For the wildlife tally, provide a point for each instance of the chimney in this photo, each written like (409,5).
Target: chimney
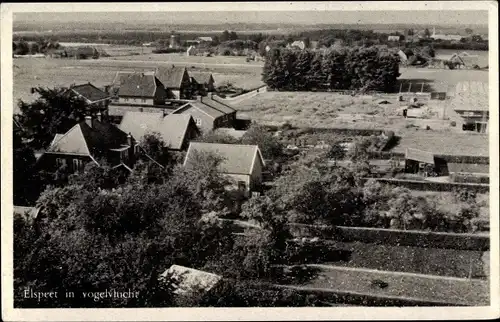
(88,120)
(129,139)
(99,117)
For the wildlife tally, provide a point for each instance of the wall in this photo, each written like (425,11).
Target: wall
(240,177)
(48,161)
(256,177)
(133,100)
(395,237)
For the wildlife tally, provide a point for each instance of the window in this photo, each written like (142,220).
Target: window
(124,155)
(125,99)
(77,165)
(136,148)
(143,100)
(60,162)
(242,186)
(198,121)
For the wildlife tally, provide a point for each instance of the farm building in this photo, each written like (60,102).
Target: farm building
(471,103)
(141,89)
(208,113)
(203,83)
(242,164)
(419,162)
(176,81)
(191,51)
(176,130)
(393,38)
(445,36)
(204,39)
(298,44)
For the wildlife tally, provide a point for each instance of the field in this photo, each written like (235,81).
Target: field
(32,72)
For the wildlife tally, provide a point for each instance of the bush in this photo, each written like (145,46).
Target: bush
(453,124)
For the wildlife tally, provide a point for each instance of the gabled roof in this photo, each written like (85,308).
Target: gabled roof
(89,92)
(237,158)
(171,77)
(172,128)
(214,103)
(186,280)
(208,110)
(201,77)
(419,155)
(92,141)
(138,85)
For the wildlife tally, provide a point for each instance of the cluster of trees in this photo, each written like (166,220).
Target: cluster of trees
(347,68)
(236,47)
(23,47)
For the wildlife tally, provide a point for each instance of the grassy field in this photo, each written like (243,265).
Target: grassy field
(32,72)
(465,292)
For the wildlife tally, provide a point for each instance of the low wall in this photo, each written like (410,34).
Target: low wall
(433,186)
(395,237)
(343,131)
(384,155)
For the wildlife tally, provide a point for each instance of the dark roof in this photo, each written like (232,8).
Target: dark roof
(419,155)
(138,85)
(93,141)
(171,77)
(201,77)
(172,128)
(210,111)
(90,92)
(238,158)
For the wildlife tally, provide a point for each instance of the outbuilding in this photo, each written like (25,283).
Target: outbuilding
(419,162)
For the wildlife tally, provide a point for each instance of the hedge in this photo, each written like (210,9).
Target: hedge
(394,237)
(433,186)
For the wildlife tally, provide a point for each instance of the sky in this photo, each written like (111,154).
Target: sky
(441,17)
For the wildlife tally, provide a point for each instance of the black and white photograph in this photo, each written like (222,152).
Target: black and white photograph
(314,157)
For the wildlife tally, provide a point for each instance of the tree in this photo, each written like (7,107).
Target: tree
(155,147)
(469,31)
(217,137)
(24,178)
(52,113)
(427,33)
(336,152)
(233,35)
(225,36)
(410,32)
(269,145)
(359,150)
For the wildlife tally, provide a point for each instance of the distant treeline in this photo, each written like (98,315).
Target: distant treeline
(346,68)
(323,37)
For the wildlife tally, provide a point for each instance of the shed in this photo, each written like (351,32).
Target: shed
(418,161)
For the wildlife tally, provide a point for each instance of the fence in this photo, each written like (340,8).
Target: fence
(385,155)
(394,237)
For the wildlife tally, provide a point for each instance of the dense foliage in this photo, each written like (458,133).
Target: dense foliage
(344,68)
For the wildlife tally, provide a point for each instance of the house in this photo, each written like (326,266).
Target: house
(176,130)
(393,38)
(298,44)
(242,164)
(141,89)
(418,161)
(191,51)
(203,83)
(90,141)
(28,214)
(93,96)
(176,81)
(444,36)
(208,113)
(471,103)
(187,280)
(204,39)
